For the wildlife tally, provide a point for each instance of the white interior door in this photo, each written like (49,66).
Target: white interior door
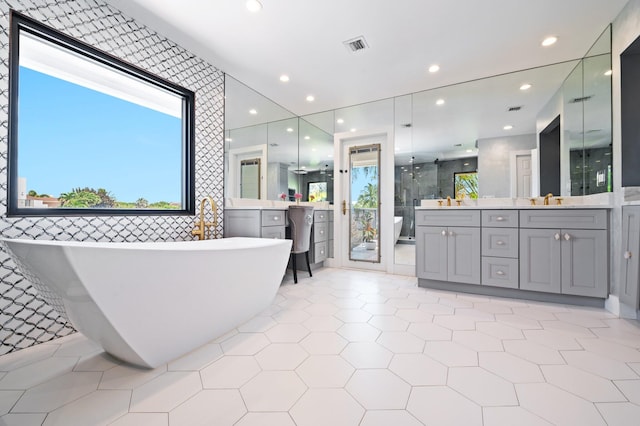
(521,174)
(363,222)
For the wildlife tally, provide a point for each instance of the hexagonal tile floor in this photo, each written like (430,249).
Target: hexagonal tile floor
(352,348)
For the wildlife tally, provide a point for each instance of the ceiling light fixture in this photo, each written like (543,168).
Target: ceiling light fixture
(525,86)
(339,121)
(311,98)
(440,102)
(307,138)
(549,41)
(284,78)
(469,150)
(253,111)
(508,127)
(434,68)
(253,6)
(289,129)
(353,130)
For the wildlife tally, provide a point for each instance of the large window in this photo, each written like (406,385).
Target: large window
(90,134)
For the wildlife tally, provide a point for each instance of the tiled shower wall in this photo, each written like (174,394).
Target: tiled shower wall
(25,319)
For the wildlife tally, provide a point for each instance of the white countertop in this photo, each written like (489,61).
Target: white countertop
(543,207)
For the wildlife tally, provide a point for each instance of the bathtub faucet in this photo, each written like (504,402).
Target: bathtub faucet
(203,228)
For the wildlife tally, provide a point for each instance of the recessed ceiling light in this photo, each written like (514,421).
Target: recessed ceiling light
(608,73)
(253,5)
(307,138)
(289,129)
(339,121)
(549,41)
(284,78)
(353,130)
(434,68)
(525,86)
(311,98)
(508,127)
(469,150)
(253,111)
(440,102)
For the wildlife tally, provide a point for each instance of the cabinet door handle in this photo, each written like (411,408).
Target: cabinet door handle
(444,233)
(499,243)
(567,237)
(500,273)
(499,219)
(557,236)
(627,255)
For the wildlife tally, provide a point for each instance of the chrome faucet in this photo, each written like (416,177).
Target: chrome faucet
(546,198)
(203,228)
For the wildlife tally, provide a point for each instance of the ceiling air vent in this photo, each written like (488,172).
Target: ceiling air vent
(514,108)
(578,100)
(356,44)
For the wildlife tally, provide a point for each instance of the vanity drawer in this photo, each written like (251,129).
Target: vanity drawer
(448,217)
(320,216)
(320,232)
(500,242)
(500,272)
(273,232)
(273,217)
(500,218)
(570,218)
(319,252)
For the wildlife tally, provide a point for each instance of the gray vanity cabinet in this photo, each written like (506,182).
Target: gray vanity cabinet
(540,265)
(448,253)
(257,223)
(319,249)
(564,251)
(500,248)
(630,263)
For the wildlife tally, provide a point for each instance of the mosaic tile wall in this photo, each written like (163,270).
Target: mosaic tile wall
(25,318)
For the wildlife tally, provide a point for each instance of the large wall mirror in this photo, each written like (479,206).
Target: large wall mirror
(293,154)
(478,139)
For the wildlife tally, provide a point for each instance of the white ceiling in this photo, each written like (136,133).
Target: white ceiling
(469,39)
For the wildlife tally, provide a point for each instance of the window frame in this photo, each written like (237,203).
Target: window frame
(20,22)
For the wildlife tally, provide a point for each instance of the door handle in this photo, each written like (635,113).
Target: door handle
(344,207)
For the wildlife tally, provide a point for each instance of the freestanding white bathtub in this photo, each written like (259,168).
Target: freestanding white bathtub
(148,303)
(397,227)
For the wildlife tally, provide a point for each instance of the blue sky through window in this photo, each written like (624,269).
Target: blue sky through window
(72,136)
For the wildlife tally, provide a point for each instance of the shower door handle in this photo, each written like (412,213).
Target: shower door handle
(344,207)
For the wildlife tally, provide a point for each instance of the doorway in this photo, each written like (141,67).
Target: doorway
(363,222)
(550,157)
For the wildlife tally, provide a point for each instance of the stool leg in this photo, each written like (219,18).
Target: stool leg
(295,272)
(306,255)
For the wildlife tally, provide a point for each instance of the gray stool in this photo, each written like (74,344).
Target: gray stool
(300,221)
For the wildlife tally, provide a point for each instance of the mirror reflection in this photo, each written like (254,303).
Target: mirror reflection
(494,137)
